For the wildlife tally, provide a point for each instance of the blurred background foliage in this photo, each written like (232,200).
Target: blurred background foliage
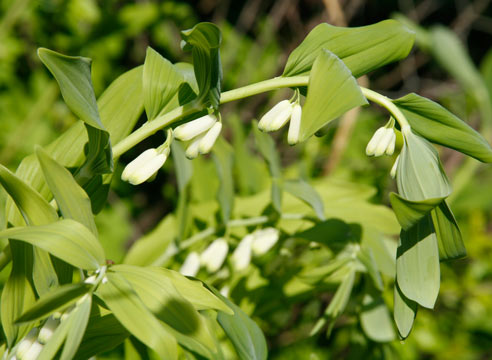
(451,63)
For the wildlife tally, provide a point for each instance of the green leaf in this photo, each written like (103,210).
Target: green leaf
(366,257)
(302,190)
(328,99)
(375,319)
(362,49)
(268,150)
(448,233)
(223,157)
(435,123)
(420,175)
(103,333)
(66,239)
(161,297)
(410,212)
(73,74)
(333,233)
(417,263)
(183,165)
(56,300)
(204,41)
(243,332)
(161,82)
(129,309)
(17,293)
(405,311)
(70,197)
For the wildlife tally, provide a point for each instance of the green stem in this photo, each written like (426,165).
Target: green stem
(249,90)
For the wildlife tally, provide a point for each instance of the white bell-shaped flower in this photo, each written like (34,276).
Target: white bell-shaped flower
(383,141)
(33,352)
(264,240)
(214,255)
(209,139)
(26,343)
(394,167)
(295,125)
(271,115)
(144,166)
(193,149)
(241,257)
(191,264)
(47,330)
(194,128)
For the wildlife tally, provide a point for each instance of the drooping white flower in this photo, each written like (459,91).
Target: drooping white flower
(33,352)
(192,150)
(26,343)
(391,147)
(209,139)
(264,240)
(194,128)
(144,166)
(214,255)
(394,167)
(373,143)
(47,330)
(295,125)
(191,264)
(271,115)
(384,142)
(241,257)
(280,119)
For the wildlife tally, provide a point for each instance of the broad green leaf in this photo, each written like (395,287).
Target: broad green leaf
(195,292)
(161,82)
(333,233)
(70,331)
(410,212)
(366,257)
(73,74)
(204,41)
(56,300)
(66,239)
(448,233)
(103,333)
(70,197)
(152,249)
(223,157)
(375,319)
(417,263)
(131,312)
(268,150)
(161,297)
(435,123)
(420,175)
(305,192)
(17,293)
(362,49)
(332,91)
(405,311)
(243,332)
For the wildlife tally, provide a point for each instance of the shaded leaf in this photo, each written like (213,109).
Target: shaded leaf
(327,100)
(448,233)
(410,212)
(333,233)
(302,190)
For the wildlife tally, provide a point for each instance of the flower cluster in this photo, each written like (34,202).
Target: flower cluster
(383,141)
(279,115)
(213,257)
(203,132)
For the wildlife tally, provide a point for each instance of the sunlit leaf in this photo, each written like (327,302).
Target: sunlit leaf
(375,318)
(405,311)
(223,157)
(332,91)
(306,193)
(362,49)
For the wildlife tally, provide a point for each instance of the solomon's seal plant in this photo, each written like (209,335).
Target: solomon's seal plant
(63,299)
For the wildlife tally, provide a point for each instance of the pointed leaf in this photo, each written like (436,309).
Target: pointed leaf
(66,239)
(448,233)
(79,317)
(328,99)
(362,49)
(161,81)
(410,212)
(302,190)
(131,312)
(417,263)
(375,319)
(70,197)
(440,126)
(405,311)
(223,157)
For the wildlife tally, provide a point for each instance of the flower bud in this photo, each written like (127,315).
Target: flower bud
(266,120)
(241,257)
(214,255)
(33,352)
(194,128)
(384,142)
(373,143)
(192,150)
(295,125)
(280,119)
(391,147)
(144,166)
(209,139)
(47,330)
(395,166)
(264,240)
(191,264)
(26,343)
